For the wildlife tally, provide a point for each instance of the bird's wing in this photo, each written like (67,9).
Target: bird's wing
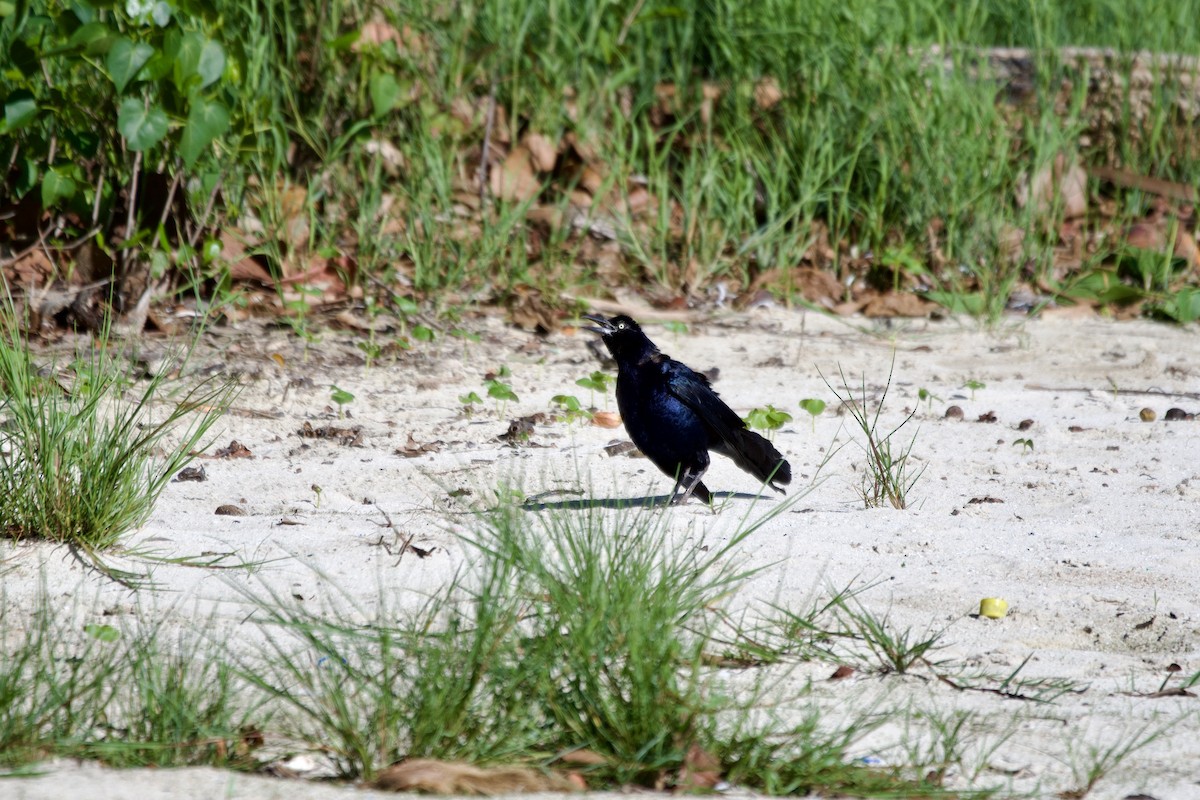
(748,450)
(694,390)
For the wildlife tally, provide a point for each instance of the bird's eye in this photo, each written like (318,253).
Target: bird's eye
(620,326)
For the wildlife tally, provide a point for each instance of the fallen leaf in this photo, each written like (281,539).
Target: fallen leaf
(530,311)
(346,437)
(1185,248)
(606,419)
(1060,181)
(898,304)
(583,758)
(452,777)
(542,152)
(514,178)
(413,449)
(701,770)
(622,448)
(767,93)
(235,450)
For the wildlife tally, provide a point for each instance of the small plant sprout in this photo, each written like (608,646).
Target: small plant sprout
(676,327)
(768,420)
(371,350)
(469,401)
(498,389)
(1026,445)
(814,407)
(972,385)
(927,397)
(342,398)
(596,382)
(316,490)
(570,407)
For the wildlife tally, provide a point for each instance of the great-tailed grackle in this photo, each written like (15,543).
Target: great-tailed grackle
(675,418)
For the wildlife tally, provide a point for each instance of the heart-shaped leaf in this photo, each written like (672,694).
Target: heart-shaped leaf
(211,63)
(19,110)
(142,127)
(206,121)
(124,60)
(199,57)
(385,92)
(56,185)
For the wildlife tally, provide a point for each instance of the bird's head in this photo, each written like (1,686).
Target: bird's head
(622,336)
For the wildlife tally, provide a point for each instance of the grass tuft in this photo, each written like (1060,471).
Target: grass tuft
(84,454)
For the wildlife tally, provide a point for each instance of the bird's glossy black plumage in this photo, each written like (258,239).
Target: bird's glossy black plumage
(672,414)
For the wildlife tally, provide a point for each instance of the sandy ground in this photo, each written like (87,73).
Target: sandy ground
(1091,534)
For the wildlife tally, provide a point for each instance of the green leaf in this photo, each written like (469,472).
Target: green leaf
(206,121)
(56,185)
(105,633)
(1183,306)
(211,64)
(200,57)
(385,92)
(813,406)
(568,401)
(19,110)
(500,390)
(340,396)
(124,60)
(95,38)
(970,303)
(142,127)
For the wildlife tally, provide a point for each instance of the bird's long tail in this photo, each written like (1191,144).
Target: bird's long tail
(756,455)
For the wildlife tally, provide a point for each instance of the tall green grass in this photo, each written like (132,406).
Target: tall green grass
(84,452)
(900,159)
(870,140)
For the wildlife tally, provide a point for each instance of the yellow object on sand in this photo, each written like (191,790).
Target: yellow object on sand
(992,607)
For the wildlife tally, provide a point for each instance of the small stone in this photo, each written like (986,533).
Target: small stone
(230,510)
(1147,415)
(1177,414)
(954,412)
(1025,425)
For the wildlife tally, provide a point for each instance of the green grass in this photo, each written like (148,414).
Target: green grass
(571,631)
(566,631)
(888,475)
(84,463)
(122,695)
(356,134)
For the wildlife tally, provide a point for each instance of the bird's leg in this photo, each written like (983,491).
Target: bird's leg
(689,479)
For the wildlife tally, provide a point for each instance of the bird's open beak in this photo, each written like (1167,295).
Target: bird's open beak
(605,327)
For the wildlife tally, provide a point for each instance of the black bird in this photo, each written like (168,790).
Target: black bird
(672,414)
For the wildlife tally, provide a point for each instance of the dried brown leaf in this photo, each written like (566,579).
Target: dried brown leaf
(701,770)
(514,178)
(898,304)
(413,448)
(606,419)
(767,93)
(542,151)
(452,777)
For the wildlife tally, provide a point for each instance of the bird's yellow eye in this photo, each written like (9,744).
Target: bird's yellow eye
(620,326)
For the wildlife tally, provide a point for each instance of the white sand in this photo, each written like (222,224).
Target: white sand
(1092,536)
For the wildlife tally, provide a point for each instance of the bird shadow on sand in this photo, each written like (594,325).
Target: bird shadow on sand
(582,504)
